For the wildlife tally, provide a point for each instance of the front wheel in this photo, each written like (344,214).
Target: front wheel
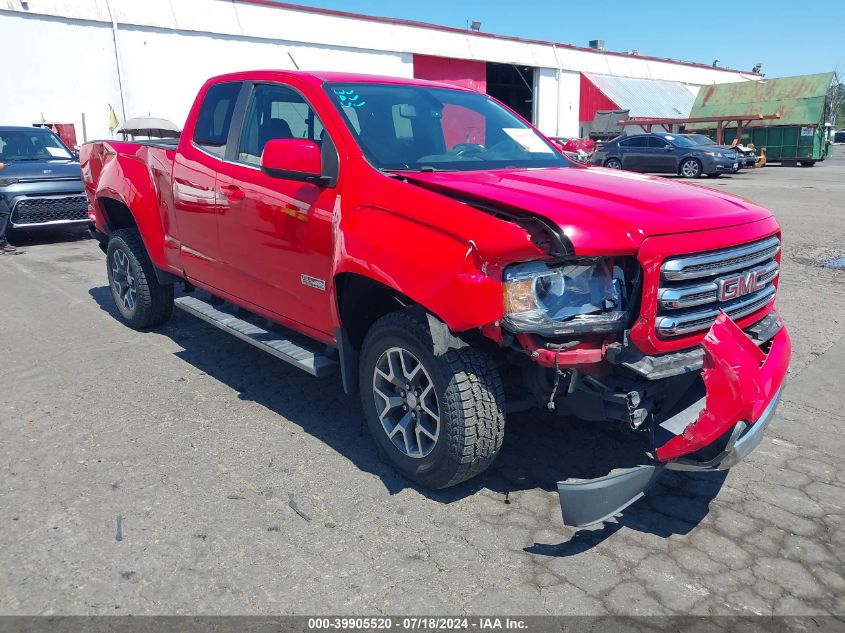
(691,168)
(141,300)
(438,419)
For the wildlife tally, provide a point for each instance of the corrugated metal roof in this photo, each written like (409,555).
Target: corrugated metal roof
(799,100)
(647,97)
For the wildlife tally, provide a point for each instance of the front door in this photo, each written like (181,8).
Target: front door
(276,234)
(663,157)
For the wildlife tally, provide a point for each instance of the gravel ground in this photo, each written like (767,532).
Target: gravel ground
(181,471)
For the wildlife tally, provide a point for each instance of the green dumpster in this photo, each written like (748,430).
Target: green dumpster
(798,136)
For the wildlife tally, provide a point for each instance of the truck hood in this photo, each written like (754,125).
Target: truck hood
(601,211)
(41,170)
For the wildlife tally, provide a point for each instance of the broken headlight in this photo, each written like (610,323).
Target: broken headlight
(575,296)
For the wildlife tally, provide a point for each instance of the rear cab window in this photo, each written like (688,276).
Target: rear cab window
(214,120)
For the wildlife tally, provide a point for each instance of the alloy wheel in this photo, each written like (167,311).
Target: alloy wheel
(690,168)
(123,282)
(406,402)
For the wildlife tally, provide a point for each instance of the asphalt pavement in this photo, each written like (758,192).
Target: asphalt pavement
(181,471)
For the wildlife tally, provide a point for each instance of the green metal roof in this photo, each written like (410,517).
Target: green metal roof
(799,100)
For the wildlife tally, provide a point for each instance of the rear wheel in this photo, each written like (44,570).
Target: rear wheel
(690,168)
(141,300)
(613,163)
(439,420)
(807,163)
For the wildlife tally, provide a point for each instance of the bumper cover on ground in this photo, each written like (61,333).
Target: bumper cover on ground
(743,385)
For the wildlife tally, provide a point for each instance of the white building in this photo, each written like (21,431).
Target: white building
(69,61)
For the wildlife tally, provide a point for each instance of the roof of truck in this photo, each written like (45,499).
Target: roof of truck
(324,76)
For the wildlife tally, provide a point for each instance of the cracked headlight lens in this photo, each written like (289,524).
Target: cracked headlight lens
(577,296)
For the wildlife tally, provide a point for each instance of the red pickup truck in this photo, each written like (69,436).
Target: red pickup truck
(452,266)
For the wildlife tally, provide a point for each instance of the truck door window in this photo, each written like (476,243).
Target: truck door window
(276,112)
(215,117)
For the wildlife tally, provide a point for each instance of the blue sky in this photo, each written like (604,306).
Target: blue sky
(788,37)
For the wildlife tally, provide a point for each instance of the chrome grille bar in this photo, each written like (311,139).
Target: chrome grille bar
(688,322)
(678,298)
(719,262)
(693,289)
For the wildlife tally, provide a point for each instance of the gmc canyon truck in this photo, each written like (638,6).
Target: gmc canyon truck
(452,266)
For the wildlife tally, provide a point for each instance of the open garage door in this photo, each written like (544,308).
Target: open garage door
(512,85)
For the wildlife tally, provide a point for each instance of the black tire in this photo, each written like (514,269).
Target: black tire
(613,163)
(691,168)
(153,302)
(470,402)
(807,163)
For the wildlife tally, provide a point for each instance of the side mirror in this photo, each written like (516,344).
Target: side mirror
(668,147)
(293,159)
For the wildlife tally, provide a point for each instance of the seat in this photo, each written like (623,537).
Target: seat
(270,130)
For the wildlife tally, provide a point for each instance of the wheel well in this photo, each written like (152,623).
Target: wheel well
(362,301)
(118,215)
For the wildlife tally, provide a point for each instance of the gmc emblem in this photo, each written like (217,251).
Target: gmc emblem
(739,285)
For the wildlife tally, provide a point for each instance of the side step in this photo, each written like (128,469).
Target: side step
(290,348)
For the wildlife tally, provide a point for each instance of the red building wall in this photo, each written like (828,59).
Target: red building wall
(592,100)
(459,124)
(458,72)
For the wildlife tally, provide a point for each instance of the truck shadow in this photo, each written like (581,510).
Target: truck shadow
(47,235)
(538,451)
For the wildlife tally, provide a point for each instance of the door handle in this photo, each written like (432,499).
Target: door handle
(233,193)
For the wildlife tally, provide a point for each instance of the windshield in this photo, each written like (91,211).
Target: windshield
(700,139)
(34,144)
(417,128)
(679,141)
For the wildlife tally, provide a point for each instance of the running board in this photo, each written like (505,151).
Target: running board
(296,352)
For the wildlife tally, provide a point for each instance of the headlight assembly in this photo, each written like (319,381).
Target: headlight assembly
(576,296)
(5,182)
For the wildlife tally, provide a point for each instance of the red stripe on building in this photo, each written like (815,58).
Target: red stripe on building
(593,100)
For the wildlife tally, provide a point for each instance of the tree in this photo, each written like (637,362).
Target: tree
(836,100)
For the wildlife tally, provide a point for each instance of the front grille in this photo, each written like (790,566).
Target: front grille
(694,288)
(50,209)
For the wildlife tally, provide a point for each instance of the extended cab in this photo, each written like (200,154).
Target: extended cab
(453,266)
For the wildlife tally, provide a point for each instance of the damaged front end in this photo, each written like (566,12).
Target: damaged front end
(702,409)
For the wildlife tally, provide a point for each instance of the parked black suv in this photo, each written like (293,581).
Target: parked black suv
(665,153)
(41,182)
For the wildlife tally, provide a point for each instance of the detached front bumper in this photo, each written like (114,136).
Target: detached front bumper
(743,388)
